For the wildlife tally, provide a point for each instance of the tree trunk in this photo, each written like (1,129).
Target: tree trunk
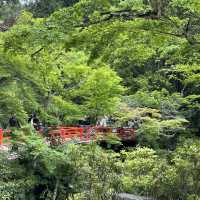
(55,193)
(157,7)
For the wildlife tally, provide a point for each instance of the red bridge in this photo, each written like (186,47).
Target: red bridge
(62,134)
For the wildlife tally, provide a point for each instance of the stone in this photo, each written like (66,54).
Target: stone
(126,196)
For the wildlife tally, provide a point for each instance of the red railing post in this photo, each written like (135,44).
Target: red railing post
(62,133)
(81,133)
(1,136)
(88,134)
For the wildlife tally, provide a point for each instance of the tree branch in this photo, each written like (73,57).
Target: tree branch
(129,15)
(36,52)
(121,14)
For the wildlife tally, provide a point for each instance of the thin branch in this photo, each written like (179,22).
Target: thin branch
(166,33)
(36,52)
(118,11)
(129,15)
(123,14)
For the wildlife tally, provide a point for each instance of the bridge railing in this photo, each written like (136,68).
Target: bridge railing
(80,134)
(87,134)
(67,133)
(4,136)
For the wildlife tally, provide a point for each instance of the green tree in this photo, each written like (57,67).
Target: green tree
(43,8)
(9,9)
(102,92)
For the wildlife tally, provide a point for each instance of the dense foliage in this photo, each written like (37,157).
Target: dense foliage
(9,9)
(134,60)
(88,172)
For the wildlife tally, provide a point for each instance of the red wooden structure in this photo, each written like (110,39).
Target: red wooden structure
(66,134)
(62,134)
(1,136)
(88,134)
(4,136)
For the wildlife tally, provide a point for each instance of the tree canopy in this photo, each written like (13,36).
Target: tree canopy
(135,61)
